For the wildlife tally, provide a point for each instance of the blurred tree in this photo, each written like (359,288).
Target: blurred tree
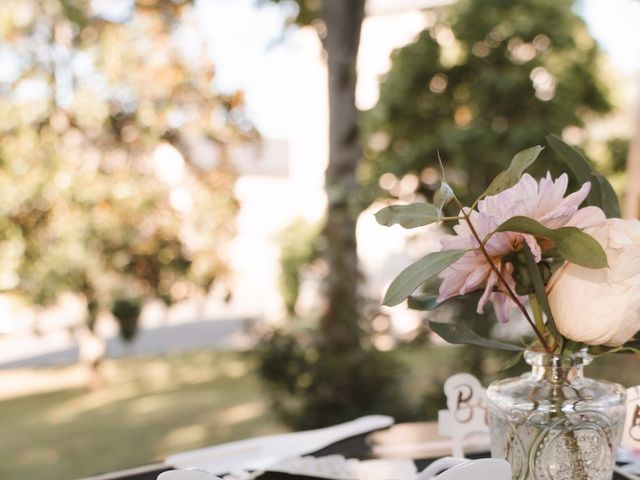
(304,12)
(338,24)
(114,177)
(485,80)
(331,374)
(339,323)
(298,248)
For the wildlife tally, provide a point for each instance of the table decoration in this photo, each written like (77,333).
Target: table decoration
(422,440)
(463,469)
(337,467)
(573,272)
(631,432)
(466,411)
(187,475)
(261,453)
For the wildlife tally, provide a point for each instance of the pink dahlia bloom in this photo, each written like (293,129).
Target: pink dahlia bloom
(543,201)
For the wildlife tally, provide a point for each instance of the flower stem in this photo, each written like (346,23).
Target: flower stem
(577,462)
(537,311)
(506,286)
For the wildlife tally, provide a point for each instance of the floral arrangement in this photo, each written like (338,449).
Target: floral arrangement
(564,261)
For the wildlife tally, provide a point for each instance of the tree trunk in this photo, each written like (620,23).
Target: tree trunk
(632,195)
(343,19)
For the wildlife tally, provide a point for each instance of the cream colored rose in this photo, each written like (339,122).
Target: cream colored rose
(601,307)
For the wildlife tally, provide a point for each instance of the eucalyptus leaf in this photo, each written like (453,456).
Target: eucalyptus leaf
(580,168)
(461,334)
(414,275)
(634,350)
(509,177)
(540,292)
(443,196)
(610,202)
(524,225)
(512,362)
(602,193)
(408,216)
(634,343)
(427,301)
(579,248)
(599,350)
(573,244)
(623,349)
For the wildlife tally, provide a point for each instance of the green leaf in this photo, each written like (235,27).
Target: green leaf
(602,193)
(579,248)
(428,301)
(512,362)
(599,350)
(572,243)
(580,168)
(408,216)
(443,196)
(632,345)
(610,202)
(509,177)
(412,276)
(461,334)
(540,292)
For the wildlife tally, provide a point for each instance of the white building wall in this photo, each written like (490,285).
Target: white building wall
(269,203)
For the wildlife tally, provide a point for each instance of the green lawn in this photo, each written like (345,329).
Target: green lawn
(150,408)
(153,407)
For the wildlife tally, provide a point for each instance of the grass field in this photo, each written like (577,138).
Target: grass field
(153,407)
(150,408)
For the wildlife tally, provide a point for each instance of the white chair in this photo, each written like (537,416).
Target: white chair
(464,469)
(187,475)
(451,468)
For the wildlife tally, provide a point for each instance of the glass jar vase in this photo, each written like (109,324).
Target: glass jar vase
(554,423)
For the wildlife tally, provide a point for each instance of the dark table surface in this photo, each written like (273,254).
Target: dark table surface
(354,447)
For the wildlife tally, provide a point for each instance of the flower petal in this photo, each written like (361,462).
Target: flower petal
(533,246)
(587,217)
(501,306)
(491,282)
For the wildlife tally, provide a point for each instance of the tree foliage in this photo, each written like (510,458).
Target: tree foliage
(302,12)
(486,79)
(310,387)
(298,244)
(114,179)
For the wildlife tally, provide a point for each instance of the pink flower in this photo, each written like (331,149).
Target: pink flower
(543,201)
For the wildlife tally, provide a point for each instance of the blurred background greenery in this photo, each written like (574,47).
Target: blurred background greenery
(123,177)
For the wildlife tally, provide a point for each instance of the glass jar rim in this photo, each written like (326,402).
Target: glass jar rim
(544,359)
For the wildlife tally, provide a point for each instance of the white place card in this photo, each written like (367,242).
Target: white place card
(631,432)
(466,411)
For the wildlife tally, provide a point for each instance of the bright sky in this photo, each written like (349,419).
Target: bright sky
(250,53)
(615,24)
